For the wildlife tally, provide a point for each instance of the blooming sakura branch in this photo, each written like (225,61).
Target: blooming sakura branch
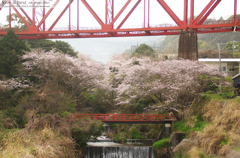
(170,80)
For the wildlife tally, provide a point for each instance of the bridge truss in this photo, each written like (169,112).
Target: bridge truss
(35,21)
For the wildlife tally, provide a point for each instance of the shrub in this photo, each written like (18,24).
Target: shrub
(163,143)
(191,125)
(134,133)
(122,139)
(84,129)
(162,147)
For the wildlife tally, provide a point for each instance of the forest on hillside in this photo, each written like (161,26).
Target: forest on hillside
(205,41)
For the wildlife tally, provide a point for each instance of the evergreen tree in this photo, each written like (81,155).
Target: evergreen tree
(10,48)
(65,48)
(47,45)
(144,50)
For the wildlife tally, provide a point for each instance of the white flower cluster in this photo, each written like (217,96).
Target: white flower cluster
(142,77)
(15,83)
(89,72)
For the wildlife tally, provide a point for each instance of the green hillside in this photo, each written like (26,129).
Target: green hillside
(205,41)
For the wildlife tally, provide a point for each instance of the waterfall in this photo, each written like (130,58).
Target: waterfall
(141,141)
(120,152)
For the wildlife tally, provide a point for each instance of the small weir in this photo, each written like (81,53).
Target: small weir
(106,148)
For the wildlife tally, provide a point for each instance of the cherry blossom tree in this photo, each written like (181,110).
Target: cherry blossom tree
(15,83)
(61,80)
(173,82)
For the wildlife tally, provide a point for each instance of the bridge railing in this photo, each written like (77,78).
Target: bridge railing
(73,28)
(121,117)
(218,22)
(150,26)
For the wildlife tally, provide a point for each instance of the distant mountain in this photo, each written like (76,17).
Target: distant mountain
(101,49)
(205,41)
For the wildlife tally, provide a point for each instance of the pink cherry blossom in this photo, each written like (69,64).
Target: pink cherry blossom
(167,80)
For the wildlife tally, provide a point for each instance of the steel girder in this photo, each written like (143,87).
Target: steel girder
(36,29)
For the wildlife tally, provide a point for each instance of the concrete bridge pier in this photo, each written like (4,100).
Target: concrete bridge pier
(188,45)
(166,132)
(107,129)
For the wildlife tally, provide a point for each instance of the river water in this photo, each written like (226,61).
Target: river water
(109,149)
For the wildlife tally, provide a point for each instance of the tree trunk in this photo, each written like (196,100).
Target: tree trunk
(152,99)
(176,114)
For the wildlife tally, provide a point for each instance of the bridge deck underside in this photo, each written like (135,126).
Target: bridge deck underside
(64,33)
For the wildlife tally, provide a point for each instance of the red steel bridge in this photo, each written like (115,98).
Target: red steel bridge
(125,118)
(36,21)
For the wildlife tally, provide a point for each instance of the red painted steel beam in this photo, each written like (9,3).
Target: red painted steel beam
(49,11)
(170,12)
(185,17)
(43,15)
(148,12)
(203,12)
(61,14)
(191,15)
(102,31)
(19,15)
(77,14)
(192,11)
(118,34)
(144,13)
(209,12)
(106,12)
(109,14)
(26,15)
(215,26)
(69,16)
(2,6)
(108,30)
(112,12)
(33,14)
(92,12)
(98,36)
(124,20)
(214,31)
(120,12)
(235,12)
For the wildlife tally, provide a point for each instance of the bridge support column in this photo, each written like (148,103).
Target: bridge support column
(188,46)
(107,129)
(166,130)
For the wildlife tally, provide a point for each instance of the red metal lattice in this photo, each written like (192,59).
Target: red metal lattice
(109,28)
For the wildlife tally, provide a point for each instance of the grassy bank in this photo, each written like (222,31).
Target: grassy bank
(212,125)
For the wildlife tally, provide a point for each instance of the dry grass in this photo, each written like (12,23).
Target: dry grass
(47,136)
(8,123)
(50,121)
(224,132)
(110,134)
(38,143)
(219,137)
(194,152)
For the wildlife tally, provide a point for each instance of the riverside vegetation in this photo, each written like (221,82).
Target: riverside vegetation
(40,89)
